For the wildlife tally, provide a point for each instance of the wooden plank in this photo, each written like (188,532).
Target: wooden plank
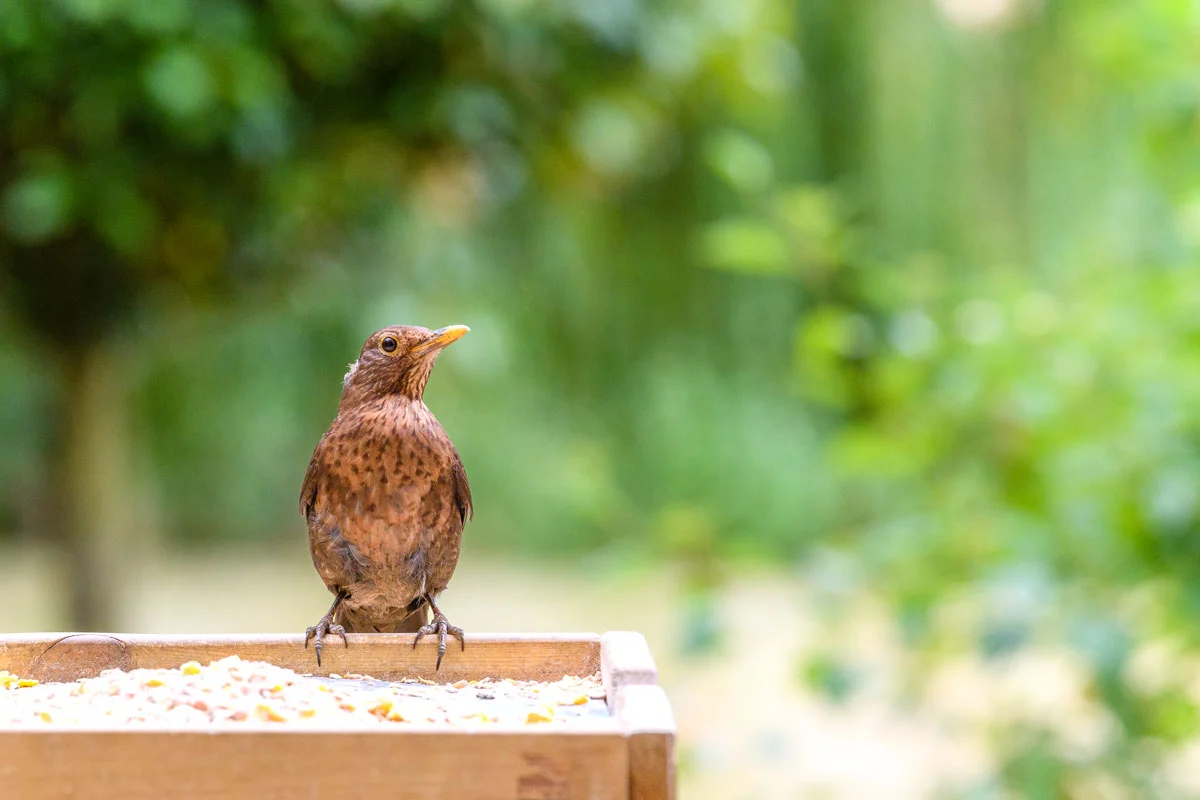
(625,660)
(644,713)
(65,657)
(634,759)
(140,765)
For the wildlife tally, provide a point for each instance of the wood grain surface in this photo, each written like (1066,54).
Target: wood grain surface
(634,758)
(67,656)
(137,765)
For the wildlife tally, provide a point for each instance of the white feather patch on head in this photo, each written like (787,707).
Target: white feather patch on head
(350,374)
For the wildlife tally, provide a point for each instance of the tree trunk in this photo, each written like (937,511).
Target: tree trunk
(92,488)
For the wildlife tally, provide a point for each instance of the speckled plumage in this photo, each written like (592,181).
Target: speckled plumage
(385,495)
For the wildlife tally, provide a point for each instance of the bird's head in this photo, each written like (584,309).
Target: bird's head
(397,360)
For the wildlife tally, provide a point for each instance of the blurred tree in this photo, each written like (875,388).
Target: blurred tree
(167,156)
(1013,223)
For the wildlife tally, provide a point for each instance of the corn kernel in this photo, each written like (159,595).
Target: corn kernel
(542,714)
(190,668)
(267,714)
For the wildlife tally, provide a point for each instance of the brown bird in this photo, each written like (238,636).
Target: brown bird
(386,495)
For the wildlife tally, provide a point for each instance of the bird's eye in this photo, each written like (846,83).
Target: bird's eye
(389,344)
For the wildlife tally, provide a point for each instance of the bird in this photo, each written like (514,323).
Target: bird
(386,496)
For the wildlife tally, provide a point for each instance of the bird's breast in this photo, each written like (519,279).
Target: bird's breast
(387,481)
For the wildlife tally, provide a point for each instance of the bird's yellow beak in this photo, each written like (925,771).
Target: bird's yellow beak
(441,337)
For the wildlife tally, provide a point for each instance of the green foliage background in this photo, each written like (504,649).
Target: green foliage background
(899,293)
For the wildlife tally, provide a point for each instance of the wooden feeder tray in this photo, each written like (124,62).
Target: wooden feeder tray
(625,756)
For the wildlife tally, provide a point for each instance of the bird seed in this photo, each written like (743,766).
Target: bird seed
(232,691)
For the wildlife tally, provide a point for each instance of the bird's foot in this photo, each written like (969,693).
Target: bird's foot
(440,626)
(318,632)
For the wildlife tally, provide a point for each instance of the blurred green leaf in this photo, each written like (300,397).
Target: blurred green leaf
(40,204)
(743,162)
(179,82)
(745,245)
(836,680)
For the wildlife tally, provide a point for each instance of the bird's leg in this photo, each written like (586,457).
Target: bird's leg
(441,626)
(327,625)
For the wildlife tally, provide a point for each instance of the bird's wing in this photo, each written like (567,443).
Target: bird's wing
(308,489)
(336,557)
(462,491)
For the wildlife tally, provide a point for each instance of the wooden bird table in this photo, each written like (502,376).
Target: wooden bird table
(624,754)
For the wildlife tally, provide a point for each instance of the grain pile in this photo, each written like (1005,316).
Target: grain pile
(236,692)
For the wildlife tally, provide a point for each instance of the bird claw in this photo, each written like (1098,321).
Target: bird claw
(318,632)
(440,626)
